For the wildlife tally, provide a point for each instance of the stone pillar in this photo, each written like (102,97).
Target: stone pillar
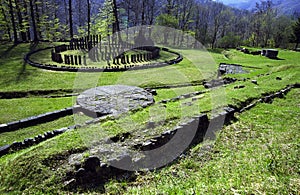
(72,60)
(123,61)
(75,58)
(84,60)
(79,60)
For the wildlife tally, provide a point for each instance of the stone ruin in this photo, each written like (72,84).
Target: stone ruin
(112,52)
(230,69)
(270,53)
(113,99)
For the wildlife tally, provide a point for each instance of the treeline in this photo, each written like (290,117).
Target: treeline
(210,22)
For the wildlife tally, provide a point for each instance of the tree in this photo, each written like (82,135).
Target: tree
(167,20)
(71,19)
(37,17)
(262,21)
(216,14)
(26,19)
(296,33)
(282,31)
(229,41)
(20,19)
(116,24)
(4,22)
(34,28)
(89,17)
(201,24)
(12,17)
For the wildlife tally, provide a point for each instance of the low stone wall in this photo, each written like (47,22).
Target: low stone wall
(35,120)
(270,53)
(38,93)
(32,141)
(219,82)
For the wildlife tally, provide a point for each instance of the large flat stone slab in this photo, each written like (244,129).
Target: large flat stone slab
(113,99)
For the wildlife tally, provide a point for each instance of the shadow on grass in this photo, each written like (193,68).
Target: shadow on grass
(22,73)
(276,58)
(7,51)
(216,50)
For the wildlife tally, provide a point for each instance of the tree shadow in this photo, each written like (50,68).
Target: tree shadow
(216,50)
(6,52)
(22,73)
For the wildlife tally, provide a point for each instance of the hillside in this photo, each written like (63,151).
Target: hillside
(286,7)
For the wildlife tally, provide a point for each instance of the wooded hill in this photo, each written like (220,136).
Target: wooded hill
(212,23)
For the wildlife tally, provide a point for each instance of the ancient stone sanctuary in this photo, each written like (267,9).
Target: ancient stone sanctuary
(95,54)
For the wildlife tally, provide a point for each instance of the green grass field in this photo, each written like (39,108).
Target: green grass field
(258,154)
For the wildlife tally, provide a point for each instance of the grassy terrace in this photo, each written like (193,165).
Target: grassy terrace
(257,154)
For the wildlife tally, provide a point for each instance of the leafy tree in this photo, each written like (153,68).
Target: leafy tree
(229,41)
(167,20)
(106,21)
(263,21)
(4,23)
(296,33)
(282,31)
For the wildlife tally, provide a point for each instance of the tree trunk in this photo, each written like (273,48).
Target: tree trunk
(71,19)
(27,18)
(89,17)
(116,25)
(35,36)
(13,21)
(23,33)
(143,13)
(66,11)
(39,33)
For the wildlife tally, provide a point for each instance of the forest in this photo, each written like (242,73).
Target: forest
(210,22)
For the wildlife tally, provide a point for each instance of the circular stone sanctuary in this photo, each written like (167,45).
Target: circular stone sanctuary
(113,99)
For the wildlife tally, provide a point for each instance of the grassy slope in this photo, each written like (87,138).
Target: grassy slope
(15,75)
(288,69)
(16,109)
(257,155)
